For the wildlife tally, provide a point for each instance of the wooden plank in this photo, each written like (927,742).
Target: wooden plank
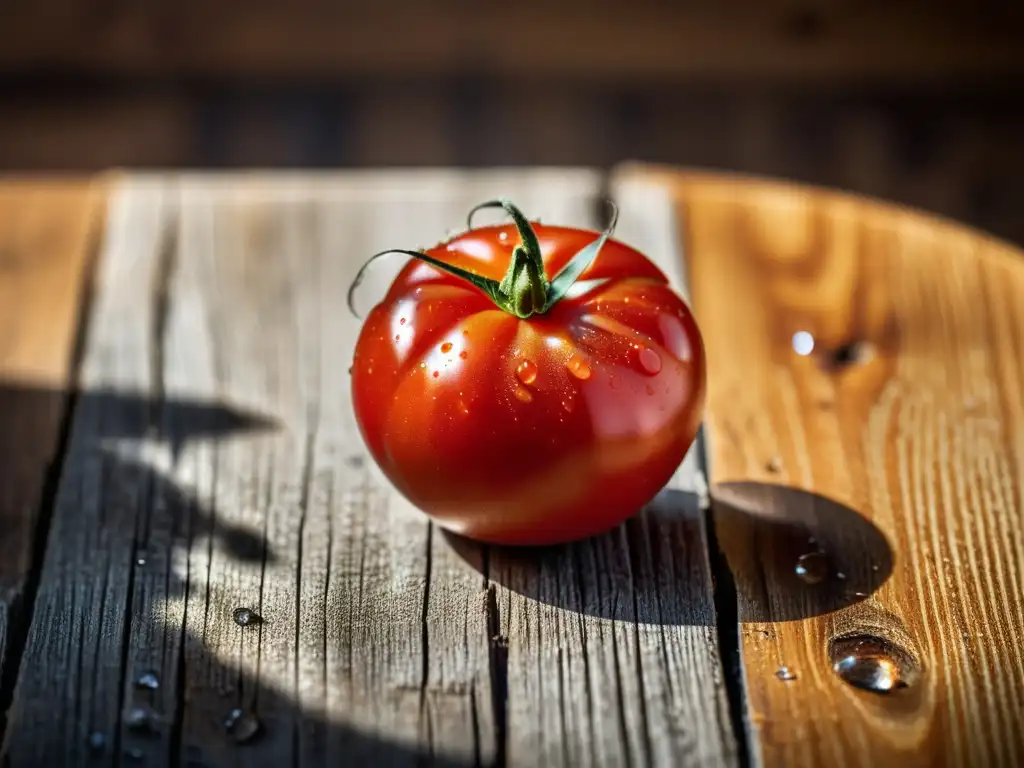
(47,233)
(612,654)
(222,469)
(897,444)
(609,41)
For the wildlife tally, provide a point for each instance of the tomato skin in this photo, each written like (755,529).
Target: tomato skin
(529,431)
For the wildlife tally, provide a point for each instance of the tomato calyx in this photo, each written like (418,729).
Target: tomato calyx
(525,289)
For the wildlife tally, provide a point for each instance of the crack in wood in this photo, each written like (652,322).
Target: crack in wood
(498,668)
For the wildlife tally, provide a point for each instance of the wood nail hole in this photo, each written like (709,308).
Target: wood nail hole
(850,353)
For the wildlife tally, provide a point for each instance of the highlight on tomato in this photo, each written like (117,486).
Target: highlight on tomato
(527,384)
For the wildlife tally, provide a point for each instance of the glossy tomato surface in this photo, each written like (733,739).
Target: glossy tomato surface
(538,430)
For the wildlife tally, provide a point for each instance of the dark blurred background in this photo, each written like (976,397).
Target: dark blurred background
(919,102)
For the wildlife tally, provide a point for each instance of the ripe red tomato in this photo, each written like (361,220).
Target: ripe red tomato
(515,409)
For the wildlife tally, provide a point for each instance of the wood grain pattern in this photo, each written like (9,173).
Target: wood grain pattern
(610,41)
(896,446)
(214,464)
(47,233)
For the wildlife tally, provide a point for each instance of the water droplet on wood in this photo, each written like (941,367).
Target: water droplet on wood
(803,343)
(785,674)
(139,719)
(244,617)
(150,681)
(243,726)
(97,743)
(873,664)
(812,568)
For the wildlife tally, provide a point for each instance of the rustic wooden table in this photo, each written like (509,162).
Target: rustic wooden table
(177,444)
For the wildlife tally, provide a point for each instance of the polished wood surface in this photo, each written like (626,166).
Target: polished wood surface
(890,458)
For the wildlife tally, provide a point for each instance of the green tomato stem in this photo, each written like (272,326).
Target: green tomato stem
(525,289)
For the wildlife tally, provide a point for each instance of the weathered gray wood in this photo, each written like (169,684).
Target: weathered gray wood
(70,680)
(215,464)
(48,232)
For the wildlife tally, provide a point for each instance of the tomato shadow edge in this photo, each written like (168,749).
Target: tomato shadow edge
(657,568)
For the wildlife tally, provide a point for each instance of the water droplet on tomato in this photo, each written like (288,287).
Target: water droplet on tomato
(446,347)
(650,390)
(503,236)
(613,381)
(578,366)
(401,321)
(650,360)
(436,374)
(463,354)
(522,393)
(568,404)
(463,408)
(527,372)
(397,337)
